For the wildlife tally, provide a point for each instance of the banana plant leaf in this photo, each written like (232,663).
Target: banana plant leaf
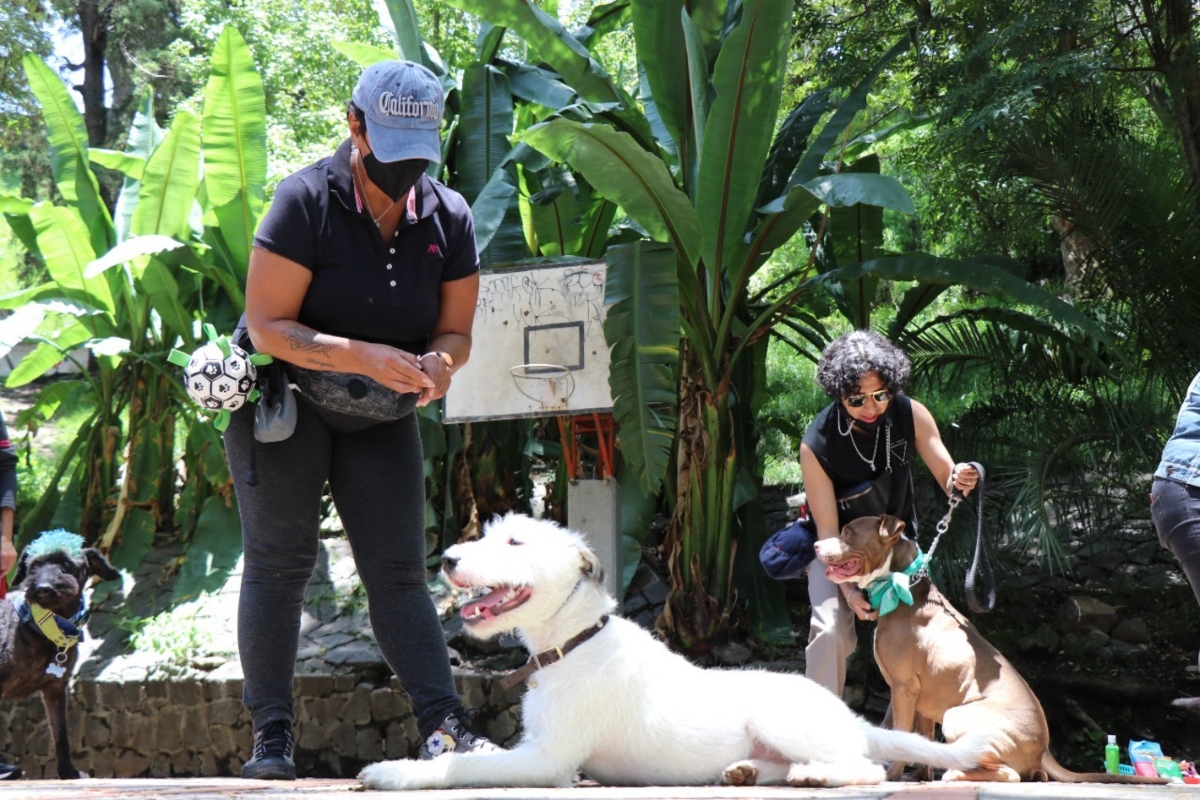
(643,323)
(170,182)
(235,144)
(399,18)
(663,56)
(48,354)
(69,152)
(363,54)
(856,101)
(66,250)
(748,81)
(620,170)
(975,274)
(484,127)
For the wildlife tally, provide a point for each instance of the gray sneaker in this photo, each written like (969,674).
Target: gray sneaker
(453,735)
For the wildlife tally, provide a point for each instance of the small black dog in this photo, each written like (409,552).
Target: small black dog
(40,628)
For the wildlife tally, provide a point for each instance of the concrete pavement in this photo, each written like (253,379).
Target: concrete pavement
(231,788)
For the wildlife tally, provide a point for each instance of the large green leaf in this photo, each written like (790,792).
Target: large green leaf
(158,284)
(664,59)
(130,249)
(642,328)
(64,244)
(988,277)
(556,216)
(399,18)
(69,151)
(144,137)
(170,181)
(748,81)
(16,326)
(485,124)
(872,189)
(626,174)
(235,143)
(552,43)
(854,230)
(856,101)
(363,54)
(490,207)
(129,164)
(48,354)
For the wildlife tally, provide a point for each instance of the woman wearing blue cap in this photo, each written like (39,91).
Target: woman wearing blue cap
(362,282)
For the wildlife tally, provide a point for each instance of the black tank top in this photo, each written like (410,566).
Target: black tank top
(847,469)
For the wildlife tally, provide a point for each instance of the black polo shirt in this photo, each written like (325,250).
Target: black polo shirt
(363,287)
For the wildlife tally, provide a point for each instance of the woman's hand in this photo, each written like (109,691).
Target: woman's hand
(396,369)
(858,601)
(436,366)
(964,477)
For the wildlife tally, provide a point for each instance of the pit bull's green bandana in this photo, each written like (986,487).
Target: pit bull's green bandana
(887,593)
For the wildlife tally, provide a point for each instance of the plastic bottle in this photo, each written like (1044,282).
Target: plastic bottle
(1112,756)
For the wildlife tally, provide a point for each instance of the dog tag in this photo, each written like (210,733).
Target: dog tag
(55,670)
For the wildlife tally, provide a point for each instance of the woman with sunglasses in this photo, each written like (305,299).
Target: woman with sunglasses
(856,460)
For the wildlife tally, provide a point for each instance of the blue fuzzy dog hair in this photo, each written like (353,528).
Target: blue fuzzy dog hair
(50,541)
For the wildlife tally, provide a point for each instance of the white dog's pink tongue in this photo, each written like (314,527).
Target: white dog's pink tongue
(483,606)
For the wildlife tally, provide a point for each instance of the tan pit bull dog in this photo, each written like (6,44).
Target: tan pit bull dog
(939,667)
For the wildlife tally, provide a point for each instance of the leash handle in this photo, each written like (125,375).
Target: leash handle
(980,574)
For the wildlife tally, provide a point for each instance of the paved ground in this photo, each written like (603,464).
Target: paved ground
(228,788)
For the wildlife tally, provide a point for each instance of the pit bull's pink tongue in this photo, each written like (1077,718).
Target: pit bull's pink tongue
(483,606)
(847,569)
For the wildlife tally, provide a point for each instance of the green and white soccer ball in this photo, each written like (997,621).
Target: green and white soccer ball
(217,381)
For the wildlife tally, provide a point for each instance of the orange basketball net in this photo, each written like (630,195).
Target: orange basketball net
(573,429)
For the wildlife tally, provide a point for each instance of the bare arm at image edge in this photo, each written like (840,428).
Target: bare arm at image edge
(8,499)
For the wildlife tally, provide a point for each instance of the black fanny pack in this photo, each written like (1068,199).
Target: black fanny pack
(352,394)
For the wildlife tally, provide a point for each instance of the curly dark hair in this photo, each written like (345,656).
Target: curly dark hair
(850,356)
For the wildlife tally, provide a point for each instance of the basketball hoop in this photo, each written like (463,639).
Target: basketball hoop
(548,385)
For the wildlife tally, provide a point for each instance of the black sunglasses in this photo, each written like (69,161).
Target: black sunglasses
(859,400)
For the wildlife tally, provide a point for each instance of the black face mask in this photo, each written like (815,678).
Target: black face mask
(395,178)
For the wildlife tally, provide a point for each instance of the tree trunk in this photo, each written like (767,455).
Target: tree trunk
(698,549)
(93,25)
(1174,54)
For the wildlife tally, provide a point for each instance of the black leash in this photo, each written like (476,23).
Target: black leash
(980,573)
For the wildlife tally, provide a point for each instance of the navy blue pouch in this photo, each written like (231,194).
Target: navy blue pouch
(788,551)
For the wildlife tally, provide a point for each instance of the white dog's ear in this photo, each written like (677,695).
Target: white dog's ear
(591,566)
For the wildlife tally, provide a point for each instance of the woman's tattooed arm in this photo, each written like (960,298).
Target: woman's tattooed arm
(307,344)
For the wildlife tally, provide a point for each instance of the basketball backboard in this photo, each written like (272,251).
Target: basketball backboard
(538,345)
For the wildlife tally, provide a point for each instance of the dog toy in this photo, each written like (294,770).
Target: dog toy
(219,375)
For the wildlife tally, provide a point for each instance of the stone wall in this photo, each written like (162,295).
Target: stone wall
(163,728)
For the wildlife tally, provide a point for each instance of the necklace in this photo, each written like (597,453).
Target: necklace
(362,187)
(874,450)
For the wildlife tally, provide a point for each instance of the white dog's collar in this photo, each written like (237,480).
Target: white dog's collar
(554,654)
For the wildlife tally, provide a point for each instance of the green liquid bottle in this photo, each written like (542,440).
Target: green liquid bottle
(1112,756)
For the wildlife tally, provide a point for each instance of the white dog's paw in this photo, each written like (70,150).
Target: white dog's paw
(405,774)
(743,773)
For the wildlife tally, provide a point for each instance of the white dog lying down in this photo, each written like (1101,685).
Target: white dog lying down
(624,709)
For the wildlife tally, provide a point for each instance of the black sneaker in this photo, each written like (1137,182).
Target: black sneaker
(9,772)
(453,735)
(272,759)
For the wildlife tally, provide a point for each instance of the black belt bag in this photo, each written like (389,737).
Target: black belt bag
(352,394)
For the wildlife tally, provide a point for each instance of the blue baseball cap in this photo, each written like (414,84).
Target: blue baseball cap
(402,102)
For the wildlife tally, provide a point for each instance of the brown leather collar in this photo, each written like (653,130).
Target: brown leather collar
(554,654)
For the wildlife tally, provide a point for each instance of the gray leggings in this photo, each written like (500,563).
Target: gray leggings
(375,473)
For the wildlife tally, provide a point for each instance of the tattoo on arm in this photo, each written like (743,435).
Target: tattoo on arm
(304,340)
